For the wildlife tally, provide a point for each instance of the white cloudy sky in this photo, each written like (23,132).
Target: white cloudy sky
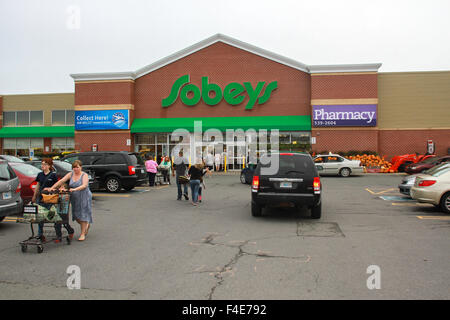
(42,41)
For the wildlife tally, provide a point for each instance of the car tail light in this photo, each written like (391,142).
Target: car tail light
(255,183)
(286,154)
(19,188)
(131,170)
(33,186)
(426,183)
(316,185)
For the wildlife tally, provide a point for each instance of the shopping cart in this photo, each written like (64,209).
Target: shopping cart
(35,214)
(159,178)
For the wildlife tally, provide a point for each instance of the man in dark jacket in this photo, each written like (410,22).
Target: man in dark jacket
(181,165)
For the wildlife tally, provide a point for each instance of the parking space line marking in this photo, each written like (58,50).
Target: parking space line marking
(110,195)
(380,192)
(433,218)
(409,204)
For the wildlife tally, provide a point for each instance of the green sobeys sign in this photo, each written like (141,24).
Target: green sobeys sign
(233,93)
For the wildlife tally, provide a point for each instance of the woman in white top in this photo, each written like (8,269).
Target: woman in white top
(217,160)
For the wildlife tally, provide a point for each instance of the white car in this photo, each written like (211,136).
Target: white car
(332,164)
(433,188)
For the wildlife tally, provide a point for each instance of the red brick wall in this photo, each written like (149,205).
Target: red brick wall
(100,93)
(106,141)
(396,142)
(344,86)
(223,64)
(345,140)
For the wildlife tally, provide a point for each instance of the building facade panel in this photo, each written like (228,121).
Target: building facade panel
(344,86)
(345,140)
(104,92)
(414,100)
(223,64)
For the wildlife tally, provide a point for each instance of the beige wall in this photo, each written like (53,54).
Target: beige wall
(416,100)
(44,102)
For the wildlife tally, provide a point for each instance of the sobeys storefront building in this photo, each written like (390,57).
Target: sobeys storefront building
(232,87)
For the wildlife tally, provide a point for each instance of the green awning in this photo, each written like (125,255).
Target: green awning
(37,132)
(282,123)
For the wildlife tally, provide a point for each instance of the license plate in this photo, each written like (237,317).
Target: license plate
(285,184)
(6,195)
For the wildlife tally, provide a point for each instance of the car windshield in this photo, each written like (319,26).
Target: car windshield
(26,169)
(11,158)
(65,165)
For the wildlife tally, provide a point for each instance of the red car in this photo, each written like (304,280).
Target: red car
(27,175)
(426,164)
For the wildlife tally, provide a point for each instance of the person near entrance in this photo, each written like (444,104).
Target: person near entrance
(152,167)
(217,161)
(166,167)
(209,161)
(181,164)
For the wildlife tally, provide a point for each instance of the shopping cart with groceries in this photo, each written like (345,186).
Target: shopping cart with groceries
(54,211)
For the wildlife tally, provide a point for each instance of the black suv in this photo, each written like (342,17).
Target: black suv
(113,169)
(296,181)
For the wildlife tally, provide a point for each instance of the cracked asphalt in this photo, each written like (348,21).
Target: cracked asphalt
(151,246)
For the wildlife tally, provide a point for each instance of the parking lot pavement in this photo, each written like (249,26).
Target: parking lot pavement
(145,244)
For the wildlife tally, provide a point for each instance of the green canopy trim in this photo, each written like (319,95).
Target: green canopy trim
(282,123)
(37,132)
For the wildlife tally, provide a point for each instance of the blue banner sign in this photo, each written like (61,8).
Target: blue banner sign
(102,120)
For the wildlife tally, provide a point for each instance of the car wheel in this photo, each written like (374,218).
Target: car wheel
(243,181)
(256,210)
(445,202)
(1,218)
(113,184)
(316,211)
(345,172)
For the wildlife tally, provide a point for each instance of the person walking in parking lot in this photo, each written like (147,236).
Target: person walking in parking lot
(46,179)
(80,197)
(181,164)
(166,168)
(196,174)
(152,167)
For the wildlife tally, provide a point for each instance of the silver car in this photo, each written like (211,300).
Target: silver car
(408,182)
(334,164)
(10,201)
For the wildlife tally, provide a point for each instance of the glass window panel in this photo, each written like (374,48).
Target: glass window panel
(58,142)
(36,118)
(70,117)
(37,143)
(162,138)
(59,117)
(145,139)
(9,119)
(285,137)
(23,143)
(70,143)
(9,143)
(23,118)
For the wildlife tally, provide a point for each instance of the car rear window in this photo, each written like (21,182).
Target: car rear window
(26,169)
(293,163)
(441,172)
(5,172)
(136,159)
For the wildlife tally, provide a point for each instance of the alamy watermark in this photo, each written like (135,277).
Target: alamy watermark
(247,146)
(374,281)
(73,21)
(74,279)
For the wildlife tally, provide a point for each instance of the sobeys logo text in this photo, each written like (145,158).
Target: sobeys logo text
(233,93)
